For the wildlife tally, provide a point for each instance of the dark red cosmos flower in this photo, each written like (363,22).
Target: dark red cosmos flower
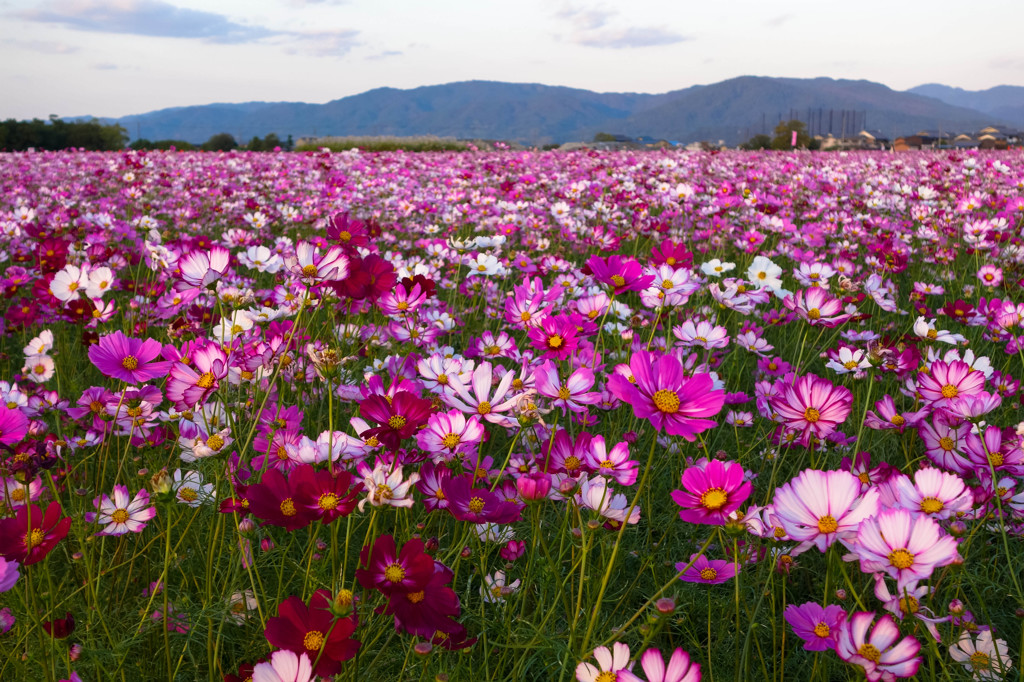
(22,313)
(426,611)
(30,535)
(391,571)
(399,418)
(621,273)
(244,673)
(347,231)
(959,310)
(59,628)
(313,629)
(427,285)
(368,278)
(275,499)
(453,641)
(322,495)
(477,505)
(670,253)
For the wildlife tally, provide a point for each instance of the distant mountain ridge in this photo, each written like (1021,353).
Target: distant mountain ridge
(1003,101)
(731,111)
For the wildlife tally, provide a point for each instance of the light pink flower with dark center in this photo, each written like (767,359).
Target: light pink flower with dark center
(904,545)
(818,507)
(878,651)
(946,381)
(811,406)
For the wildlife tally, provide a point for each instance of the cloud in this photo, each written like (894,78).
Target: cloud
(625,38)
(158,19)
(105,67)
(591,28)
(145,18)
(383,55)
(586,19)
(44,46)
(775,22)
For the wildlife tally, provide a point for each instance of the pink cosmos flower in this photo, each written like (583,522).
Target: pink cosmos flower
(122,514)
(811,406)
(130,360)
(610,666)
(712,492)
(201,268)
(817,625)
(818,507)
(878,652)
(615,463)
(666,397)
(313,268)
(906,546)
(622,273)
(933,492)
(574,395)
(490,402)
(190,386)
(8,574)
(817,307)
(554,337)
(946,381)
(680,667)
(706,571)
(448,434)
(284,666)
(13,425)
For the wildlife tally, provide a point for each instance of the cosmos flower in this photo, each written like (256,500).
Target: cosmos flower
(30,535)
(986,657)
(680,668)
(389,570)
(817,625)
(130,360)
(122,514)
(313,630)
(8,574)
(666,397)
(284,666)
(706,571)
(811,406)
(712,492)
(878,652)
(13,425)
(611,665)
(201,268)
(906,546)
(818,507)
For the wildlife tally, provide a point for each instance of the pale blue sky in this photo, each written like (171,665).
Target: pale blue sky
(117,57)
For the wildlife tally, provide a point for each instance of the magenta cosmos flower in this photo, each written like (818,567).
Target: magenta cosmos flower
(130,360)
(712,492)
(13,425)
(621,273)
(878,652)
(811,406)
(904,545)
(817,625)
(121,514)
(666,397)
(817,507)
(944,382)
(707,571)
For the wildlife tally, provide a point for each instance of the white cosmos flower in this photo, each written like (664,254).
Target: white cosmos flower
(38,368)
(68,284)
(100,281)
(987,658)
(40,345)
(716,268)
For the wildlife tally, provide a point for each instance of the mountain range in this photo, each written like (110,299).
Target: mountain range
(732,111)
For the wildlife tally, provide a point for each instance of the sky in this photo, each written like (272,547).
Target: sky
(120,57)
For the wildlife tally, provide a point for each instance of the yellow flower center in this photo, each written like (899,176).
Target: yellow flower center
(812,415)
(309,270)
(288,507)
(618,280)
(415,597)
(666,401)
(827,524)
(607,676)
(484,408)
(313,640)
(328,501)
(946,443)
(215,442)
(708,573)
(476,505)
(188,494)
(981,661)
(442,379)
(572,463)
(18,494)
(119,516)
(34,538)
(564,393)
(814,314)
(850,364)
(384,492)
(555,341)
(396,421)
(910,605)
(949,391)
(870,652)
(822,630)
(714,498)
(901,559)
(394,573)
(205,380)
(130,363)
(451,441)
(932,334)
(996,458)
(897,420)
(932,505)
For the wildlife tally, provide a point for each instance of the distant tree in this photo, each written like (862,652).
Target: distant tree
(605,137)
(180,145)
(221,142)
(758,142)
(56,133)
(289,144)
(271,141)
(784,135)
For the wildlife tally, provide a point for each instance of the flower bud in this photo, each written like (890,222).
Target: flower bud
(466,552)
(841,594)
(665,606)
(535,486)
(958,529)
(956,607)
(160,483)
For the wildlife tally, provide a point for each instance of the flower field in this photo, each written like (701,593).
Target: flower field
(506,415)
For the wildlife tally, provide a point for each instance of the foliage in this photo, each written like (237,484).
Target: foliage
(784,135)
(221,142)
(56,133)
